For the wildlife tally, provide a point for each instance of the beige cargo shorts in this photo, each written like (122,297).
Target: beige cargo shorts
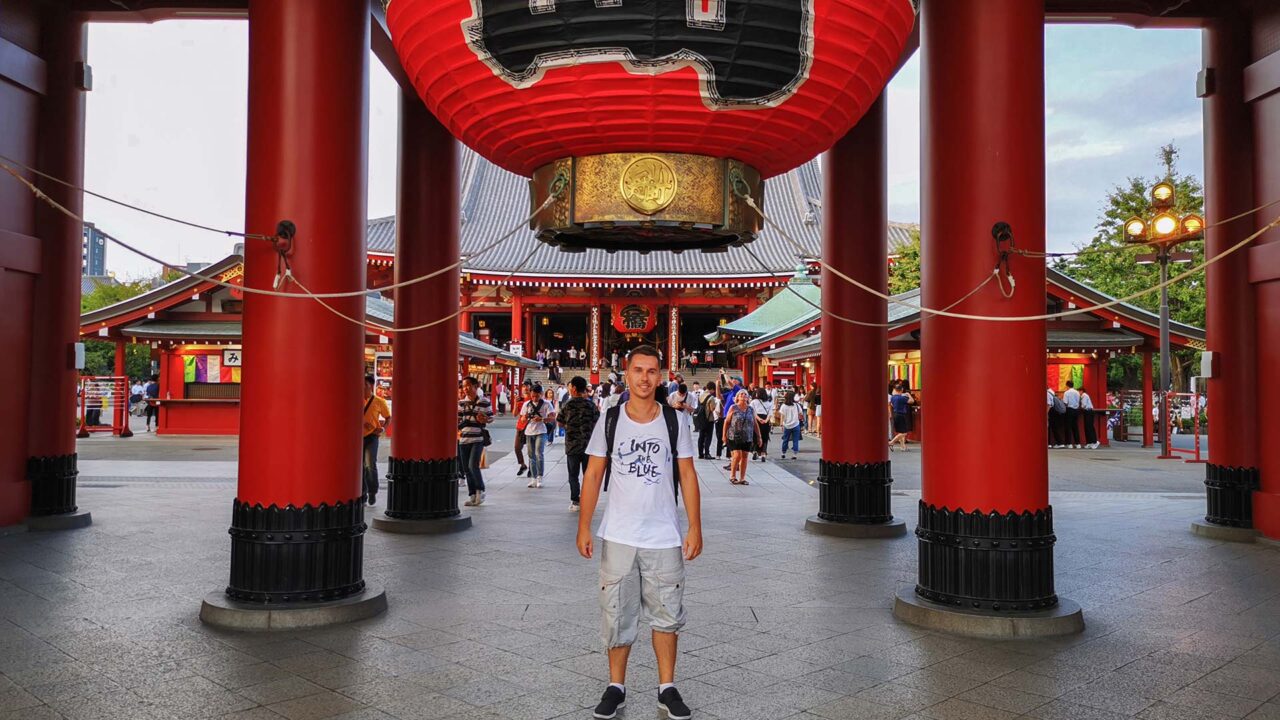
(631,577)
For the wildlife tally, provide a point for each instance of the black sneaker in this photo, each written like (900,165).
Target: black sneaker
(611,702)
(521,471)
(669,701)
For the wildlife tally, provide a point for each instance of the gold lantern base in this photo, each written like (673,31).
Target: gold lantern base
(646,202)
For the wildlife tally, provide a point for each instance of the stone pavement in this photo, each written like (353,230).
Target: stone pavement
(500,621)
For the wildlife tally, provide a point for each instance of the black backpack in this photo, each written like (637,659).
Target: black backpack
(672,418)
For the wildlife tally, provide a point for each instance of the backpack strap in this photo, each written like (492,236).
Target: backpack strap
(673,436)
(610,432)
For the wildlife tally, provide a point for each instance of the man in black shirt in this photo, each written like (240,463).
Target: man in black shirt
(578,416)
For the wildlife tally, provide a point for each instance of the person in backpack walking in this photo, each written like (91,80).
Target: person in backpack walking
(762,406)
(521,422)
(536,410)
(900,403)
(741,435)
(474,412)
(643,449)
(708,415)
(376,416)
(789,411)
(578,416)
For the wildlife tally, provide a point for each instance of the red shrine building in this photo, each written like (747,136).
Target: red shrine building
(648,154)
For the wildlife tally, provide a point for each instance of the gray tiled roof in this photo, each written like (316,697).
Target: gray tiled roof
(89,283)
(494,201)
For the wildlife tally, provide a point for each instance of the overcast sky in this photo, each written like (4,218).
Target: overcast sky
(170,135)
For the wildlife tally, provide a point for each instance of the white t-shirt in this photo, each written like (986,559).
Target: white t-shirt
(1072,398)
(790,415)
(758,407)
(537,422)
(641,507)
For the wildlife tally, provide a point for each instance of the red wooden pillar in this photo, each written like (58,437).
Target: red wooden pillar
(122,407)
(422,488)
(1100,399)
(673,338)
(303,372)
(1148,422)
(854,474)
(51,463)
(593,337)
(1231,476)
(984,163)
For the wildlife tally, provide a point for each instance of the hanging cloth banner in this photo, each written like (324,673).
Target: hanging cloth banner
(189,368)
(202,368)
(214,363)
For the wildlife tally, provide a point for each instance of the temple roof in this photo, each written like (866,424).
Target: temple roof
(494,201)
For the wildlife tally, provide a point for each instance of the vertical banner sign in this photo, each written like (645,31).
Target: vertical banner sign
(595,343)
(673,339)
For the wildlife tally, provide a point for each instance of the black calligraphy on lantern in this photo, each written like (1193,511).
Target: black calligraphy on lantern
(767,60)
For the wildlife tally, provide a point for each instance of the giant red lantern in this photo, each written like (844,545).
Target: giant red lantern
(637,113)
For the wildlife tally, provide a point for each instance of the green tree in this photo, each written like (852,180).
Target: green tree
(904,273)
(100,357)
(1108,264)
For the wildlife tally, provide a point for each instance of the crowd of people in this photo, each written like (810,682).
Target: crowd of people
(738,420)
(1066,415)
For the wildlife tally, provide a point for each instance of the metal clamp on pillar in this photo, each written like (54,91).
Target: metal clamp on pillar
(295,567)
(987,575)
(53,494)
(853,501)
(1229,494)
(422,497)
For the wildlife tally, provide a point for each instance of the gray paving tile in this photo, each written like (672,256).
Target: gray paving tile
(1241,680)
(900,697)
(324,704)
(1004,698)
(956,709)
(279,690)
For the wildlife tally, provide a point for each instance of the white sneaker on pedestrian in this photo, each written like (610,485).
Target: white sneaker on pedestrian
(573,507)
(471,501)
(1093,446)
(532,483)
(539,483)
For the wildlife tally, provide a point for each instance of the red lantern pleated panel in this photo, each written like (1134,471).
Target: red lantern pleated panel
(772,83)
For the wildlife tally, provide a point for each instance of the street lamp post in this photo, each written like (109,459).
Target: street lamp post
(1165,231)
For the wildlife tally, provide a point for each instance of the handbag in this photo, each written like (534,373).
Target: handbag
(488,439)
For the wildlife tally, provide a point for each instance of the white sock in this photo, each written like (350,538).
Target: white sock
(662,687)
(620,686)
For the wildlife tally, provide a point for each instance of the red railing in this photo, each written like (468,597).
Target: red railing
(1171,416)
(104,406)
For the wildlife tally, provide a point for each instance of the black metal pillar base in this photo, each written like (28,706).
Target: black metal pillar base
(422,489)
(1064,618)
(896,527)
(220,611)
(986,562)
(1229,495)
(296,555)
(853,501)
(53,487)
(61,521)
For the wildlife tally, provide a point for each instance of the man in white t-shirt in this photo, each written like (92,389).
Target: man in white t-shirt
(1072,399)
(641,556)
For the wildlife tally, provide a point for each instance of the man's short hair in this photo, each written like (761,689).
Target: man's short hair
(368,379)
(537,387)
(471,380)
(1070,384)
(579,383)
(646,350)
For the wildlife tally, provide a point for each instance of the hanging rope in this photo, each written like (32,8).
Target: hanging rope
(1011,318)
(556,190)
(381,330)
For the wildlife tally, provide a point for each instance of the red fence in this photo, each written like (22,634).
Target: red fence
(104,406)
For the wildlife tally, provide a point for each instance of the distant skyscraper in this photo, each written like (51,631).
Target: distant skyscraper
(93,254)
